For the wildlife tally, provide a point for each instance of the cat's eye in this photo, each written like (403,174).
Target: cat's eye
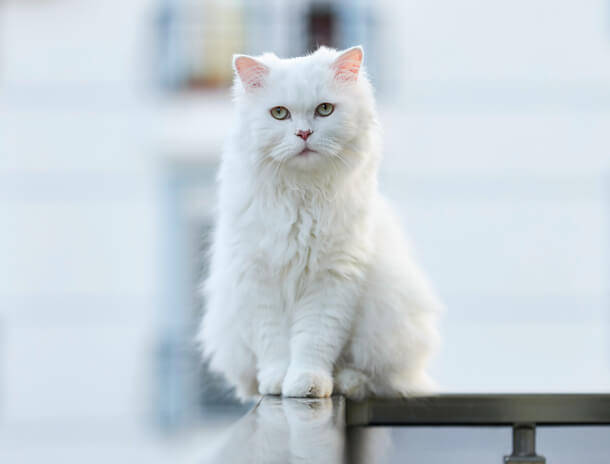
(325,109)
(280,112)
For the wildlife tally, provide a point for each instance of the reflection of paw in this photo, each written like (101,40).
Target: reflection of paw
(352,383)
(308,411)
(307,383)
(270,411)
(270,380)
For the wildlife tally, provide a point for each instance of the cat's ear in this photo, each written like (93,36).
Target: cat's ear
(347,65)
(251,72)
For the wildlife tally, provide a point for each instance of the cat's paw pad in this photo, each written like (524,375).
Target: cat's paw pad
(270,380)
(307,384)
(352,383)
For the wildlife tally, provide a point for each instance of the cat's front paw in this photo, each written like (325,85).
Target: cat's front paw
(270,380)
(306,383)
(352,383)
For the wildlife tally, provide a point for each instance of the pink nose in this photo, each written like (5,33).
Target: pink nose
(304,134)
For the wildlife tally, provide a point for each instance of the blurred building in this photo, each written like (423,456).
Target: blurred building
(197,37)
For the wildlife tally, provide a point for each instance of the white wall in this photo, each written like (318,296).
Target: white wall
(499,156)
(79,235)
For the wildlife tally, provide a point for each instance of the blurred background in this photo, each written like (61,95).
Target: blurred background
(112,114)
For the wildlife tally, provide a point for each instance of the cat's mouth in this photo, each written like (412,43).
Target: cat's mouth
(306,151)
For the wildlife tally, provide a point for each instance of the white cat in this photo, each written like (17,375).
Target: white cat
(311,288)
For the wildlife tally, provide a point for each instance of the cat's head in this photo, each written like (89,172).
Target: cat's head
(307,113)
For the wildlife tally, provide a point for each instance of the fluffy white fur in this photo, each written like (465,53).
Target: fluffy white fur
(312,288)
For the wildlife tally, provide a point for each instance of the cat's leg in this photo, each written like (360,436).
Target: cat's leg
(271,342)
(320,327)
(253,354)
(268,332)
(244,334)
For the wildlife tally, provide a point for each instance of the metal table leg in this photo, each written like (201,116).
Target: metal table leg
(524,446)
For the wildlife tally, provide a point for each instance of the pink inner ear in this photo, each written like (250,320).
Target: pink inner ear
(348,64)
(251,72)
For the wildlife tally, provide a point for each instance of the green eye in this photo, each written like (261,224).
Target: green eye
(325,109)
(280,112)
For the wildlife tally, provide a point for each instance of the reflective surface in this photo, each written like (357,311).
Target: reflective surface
(285,430)
(313,431)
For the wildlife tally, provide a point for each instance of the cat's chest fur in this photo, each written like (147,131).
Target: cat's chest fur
(287,238)
(292,236)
